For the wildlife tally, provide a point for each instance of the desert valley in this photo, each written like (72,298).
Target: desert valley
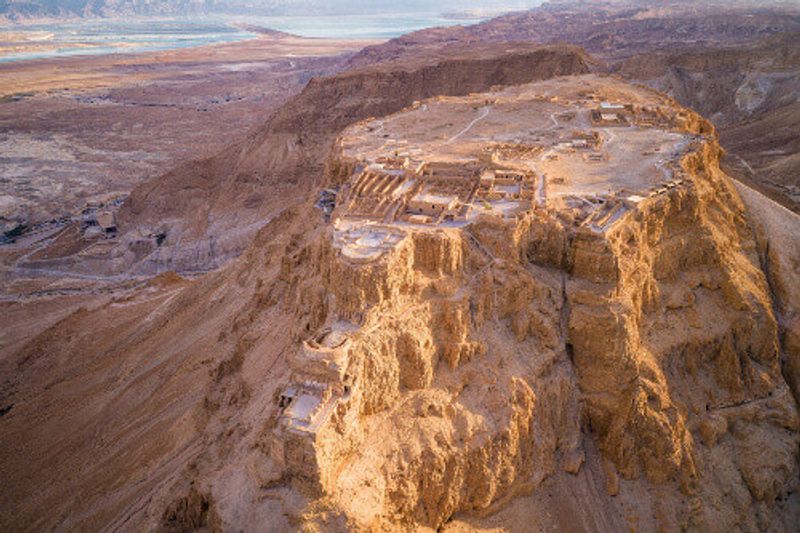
(538,273)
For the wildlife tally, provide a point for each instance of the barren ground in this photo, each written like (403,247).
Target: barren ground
(84,129)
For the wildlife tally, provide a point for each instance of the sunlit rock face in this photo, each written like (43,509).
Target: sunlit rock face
(515,280)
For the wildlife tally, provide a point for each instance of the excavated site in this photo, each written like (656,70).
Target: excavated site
(544,291)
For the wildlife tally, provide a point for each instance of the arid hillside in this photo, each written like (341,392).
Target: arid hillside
(83,130)
(476,281)
(750,93)
(527,320)
(610,30)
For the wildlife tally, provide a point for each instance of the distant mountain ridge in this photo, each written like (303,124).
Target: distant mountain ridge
(21,10)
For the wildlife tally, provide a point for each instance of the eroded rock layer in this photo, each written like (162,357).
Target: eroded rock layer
(512,280)
(535,308)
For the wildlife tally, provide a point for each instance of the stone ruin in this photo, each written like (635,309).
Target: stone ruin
(432,193)
(320,385)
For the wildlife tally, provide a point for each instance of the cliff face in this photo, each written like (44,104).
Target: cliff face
(668,341)
(676,349)
(459,393)
(481,362)
(775,228)
(556,350)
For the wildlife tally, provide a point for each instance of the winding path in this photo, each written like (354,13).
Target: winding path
(486,111)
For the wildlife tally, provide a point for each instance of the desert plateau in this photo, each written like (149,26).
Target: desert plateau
(536,269)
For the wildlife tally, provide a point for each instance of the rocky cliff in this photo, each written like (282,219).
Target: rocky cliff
(557,320)
(486,358)
(462,369)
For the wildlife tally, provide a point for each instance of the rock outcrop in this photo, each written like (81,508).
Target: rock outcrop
(474,363)
(548,297)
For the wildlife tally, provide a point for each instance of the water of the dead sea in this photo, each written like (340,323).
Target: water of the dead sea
(92,37)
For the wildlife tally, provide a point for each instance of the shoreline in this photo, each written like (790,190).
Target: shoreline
(34,39)
(15,45)
(36,75)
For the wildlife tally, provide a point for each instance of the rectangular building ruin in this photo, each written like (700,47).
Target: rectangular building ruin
(426,193)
